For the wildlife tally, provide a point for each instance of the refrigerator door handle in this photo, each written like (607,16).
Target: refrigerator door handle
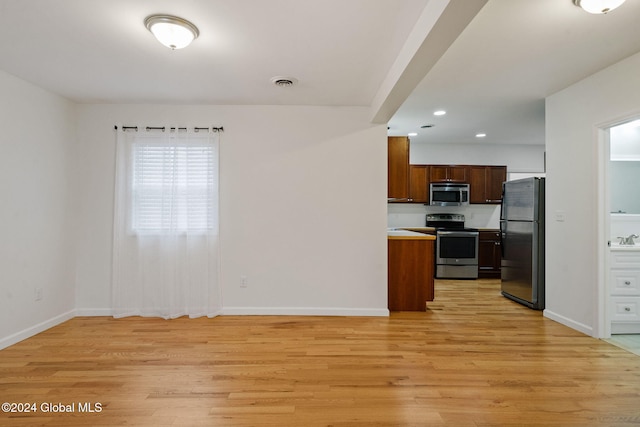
(502,204)
(502,235)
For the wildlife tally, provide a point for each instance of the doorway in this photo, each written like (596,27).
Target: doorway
(619,299)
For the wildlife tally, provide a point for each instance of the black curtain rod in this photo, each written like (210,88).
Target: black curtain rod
(148,128)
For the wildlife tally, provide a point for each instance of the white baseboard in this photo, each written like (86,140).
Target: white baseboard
(36,329)
(585,329)
(94,312)
(304,311)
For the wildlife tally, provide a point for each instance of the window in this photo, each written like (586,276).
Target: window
(165,223)
(173,185)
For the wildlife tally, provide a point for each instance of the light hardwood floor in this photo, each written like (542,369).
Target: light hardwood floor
(473,359)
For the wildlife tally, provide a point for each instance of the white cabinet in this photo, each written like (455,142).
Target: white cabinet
(624,290)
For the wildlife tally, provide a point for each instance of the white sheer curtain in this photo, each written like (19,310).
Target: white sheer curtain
(165,246)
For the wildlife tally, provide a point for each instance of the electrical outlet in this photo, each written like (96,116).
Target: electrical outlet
(244,281)
(38,294)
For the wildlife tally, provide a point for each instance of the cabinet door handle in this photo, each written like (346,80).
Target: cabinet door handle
(626,282)
(627,309)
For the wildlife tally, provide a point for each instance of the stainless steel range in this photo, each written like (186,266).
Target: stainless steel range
(456,247)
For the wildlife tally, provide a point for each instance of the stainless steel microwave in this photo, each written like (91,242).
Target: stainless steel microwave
(448,194)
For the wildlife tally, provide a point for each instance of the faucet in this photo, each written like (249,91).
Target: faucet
(628,240)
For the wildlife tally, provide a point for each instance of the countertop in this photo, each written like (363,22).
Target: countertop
(433,229)
(406,234)
(625,248)
(419,229)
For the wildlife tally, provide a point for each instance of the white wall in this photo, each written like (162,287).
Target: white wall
(624,168)
(303,205)
(623,226)
(415,215)
(625,142)
(623,187)
(573,116)
(517,157)
(37,216)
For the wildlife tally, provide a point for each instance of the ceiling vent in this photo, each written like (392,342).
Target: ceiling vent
(284,81)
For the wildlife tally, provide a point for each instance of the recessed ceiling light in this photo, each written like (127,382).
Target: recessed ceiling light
(171,31)
(412,134)
(439,113)
(480,135)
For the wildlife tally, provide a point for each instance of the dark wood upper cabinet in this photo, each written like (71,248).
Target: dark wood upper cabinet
(496,176)
(486,184)
(477,181)
(410,183)
(448,173)
(419,183)
(398,168)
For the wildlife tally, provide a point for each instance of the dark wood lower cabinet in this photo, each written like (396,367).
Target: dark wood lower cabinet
(489,254)
(410,274)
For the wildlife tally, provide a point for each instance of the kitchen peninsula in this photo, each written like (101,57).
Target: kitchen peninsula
(410,270)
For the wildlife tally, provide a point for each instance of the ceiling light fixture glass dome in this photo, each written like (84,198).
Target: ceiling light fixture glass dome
(598,6)
(171,31)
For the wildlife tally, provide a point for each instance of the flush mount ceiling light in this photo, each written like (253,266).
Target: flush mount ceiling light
(598,6)
(171,31)
(282,81)
(439,113)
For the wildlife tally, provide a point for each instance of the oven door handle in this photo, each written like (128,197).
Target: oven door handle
(457,233)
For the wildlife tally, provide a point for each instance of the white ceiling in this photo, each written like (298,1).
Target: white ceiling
(100,51)
(493,78)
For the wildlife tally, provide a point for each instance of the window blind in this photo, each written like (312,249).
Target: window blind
(172,187)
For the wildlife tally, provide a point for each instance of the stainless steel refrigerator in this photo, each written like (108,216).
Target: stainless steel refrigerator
(522,231)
